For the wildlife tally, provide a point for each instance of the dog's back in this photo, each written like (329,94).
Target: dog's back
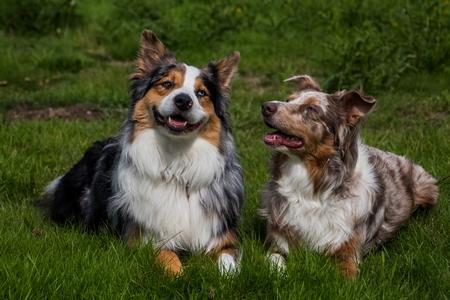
(402,187)
(63,199)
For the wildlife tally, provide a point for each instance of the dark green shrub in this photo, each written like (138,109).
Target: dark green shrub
(30,16)
(423,29)
(365,60)
(372,44)
(180,24)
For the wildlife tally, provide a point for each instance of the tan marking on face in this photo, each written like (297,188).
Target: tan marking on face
(315,154)
(211,130)
(311,101)
(170,261)
(317,160)
(142,114)
(291,118)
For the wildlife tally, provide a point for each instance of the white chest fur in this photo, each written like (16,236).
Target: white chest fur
(325,221)
(160,182)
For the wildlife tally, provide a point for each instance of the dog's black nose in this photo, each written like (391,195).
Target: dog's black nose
(269,108)
(183,102)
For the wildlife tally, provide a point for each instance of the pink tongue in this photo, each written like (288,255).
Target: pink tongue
(273,139)
(277,139)
(180,124)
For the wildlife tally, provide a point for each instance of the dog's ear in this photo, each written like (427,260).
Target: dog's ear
(356,106)
(304,82)
(225,69)
(151,52)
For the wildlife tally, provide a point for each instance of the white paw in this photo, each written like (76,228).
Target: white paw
(227,264)
(277,262)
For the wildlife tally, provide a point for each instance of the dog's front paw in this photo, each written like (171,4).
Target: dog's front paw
(227,264)
(170,262)
(277,262)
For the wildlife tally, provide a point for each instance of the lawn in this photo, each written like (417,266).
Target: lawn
(60,54)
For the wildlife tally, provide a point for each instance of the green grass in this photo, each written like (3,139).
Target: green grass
(89,60)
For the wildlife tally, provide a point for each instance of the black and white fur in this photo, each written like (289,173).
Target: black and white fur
(178,190)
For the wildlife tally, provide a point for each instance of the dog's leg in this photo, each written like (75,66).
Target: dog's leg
(277,253)
(278,250)
(133,235)
(227,253)
(170,261)
(348,254)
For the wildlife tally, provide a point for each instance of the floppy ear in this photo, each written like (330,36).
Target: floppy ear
(151,52)
(225,69)
(356,106)
(304,82)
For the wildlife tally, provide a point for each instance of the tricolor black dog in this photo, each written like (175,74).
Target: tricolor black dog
(172,175)
(328,190)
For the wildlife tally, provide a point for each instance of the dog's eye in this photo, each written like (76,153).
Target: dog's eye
(200,93)
(167,84)
(311,109)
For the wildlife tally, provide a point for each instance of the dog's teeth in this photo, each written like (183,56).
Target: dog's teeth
(183,123)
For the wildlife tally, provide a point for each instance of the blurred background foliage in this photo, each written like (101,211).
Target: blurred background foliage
(73,55)
(348,43)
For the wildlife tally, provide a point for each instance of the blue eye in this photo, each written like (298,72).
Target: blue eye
(200,93)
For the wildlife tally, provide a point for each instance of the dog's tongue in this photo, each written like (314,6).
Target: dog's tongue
(279,139)
(273,139)
(177,123)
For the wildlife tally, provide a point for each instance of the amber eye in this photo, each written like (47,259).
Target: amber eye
(200,93)
(167,84)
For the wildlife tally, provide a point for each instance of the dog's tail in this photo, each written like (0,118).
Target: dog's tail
(62,198)
(426,189)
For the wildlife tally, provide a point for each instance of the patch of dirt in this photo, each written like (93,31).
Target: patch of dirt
(68,113)
(437,115)
(37,232)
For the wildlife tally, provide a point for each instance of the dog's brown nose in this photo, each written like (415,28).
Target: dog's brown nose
(269,108)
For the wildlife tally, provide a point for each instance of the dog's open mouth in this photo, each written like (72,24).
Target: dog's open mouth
(175,123)
(277,138)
